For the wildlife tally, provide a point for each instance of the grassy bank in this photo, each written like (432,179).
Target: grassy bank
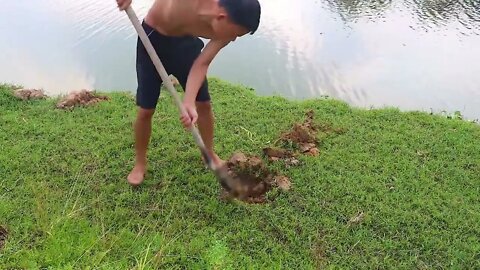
(66,205)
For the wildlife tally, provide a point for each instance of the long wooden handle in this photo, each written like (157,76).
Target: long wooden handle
(166,80)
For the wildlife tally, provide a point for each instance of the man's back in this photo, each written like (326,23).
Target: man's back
(182,17)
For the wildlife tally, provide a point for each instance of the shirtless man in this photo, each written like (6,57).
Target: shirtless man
(174,28)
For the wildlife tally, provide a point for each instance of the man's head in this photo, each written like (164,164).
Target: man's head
(237,18)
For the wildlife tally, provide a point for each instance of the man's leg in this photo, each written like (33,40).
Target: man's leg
(186,51)
(148,91)
(206,127)
(143,130)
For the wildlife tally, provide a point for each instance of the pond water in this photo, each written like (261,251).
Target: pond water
(412,54)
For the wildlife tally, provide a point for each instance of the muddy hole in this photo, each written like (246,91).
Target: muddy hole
(80,98)
(3,237)
(255,179)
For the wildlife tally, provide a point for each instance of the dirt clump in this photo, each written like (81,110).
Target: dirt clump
(3,236)
(255,178)
(304,135)
(275,153)
(80,98)
(29,94)
(283,182)
(301,139)
(291,162)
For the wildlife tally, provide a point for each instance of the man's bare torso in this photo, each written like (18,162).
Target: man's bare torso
(181,17)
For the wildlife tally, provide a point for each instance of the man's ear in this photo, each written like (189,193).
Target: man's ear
(221,16)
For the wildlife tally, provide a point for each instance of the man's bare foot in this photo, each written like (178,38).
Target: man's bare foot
(137,175)
(218,161)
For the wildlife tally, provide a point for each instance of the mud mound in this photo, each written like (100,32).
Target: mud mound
(304,135)
(29,94)
(80,98)
(256,178)
(3,237)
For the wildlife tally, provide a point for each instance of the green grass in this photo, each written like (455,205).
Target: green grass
(66,205)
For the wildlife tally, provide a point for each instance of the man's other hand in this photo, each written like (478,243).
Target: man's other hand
(123,4)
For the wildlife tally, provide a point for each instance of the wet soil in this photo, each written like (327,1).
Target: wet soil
(256,179)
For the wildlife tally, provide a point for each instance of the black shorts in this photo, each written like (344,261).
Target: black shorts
(177,55)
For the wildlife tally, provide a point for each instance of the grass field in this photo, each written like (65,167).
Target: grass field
(65,203)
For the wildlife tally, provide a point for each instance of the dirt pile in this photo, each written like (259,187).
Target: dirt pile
(256,178)
(29,94)
(301,139)
(304,136)
(80,98)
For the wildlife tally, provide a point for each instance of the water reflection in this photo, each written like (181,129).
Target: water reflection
(352,10)
(442,12)
(414,54)
(429,13)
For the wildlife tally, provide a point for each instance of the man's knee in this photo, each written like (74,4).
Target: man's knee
(145,114)
(203,106)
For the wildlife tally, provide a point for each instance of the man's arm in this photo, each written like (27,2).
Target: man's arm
(195,79)
(199,69)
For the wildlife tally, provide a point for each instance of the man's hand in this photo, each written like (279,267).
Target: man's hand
(189,116)
(123,4)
